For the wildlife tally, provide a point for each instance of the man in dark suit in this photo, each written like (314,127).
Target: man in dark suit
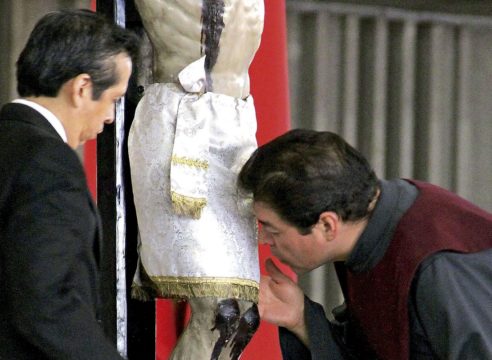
(74,68)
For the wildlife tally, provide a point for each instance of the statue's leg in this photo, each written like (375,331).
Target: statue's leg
(197,339)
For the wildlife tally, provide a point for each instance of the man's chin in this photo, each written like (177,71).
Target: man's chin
(298,271)
(295,269)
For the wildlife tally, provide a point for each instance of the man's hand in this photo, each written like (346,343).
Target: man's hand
(281,301)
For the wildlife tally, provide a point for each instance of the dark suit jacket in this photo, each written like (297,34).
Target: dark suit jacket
(49,246)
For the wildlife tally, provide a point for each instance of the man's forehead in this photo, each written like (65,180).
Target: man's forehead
(261,208)
(266,215)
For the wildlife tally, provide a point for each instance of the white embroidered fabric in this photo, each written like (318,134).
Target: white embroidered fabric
(222,242)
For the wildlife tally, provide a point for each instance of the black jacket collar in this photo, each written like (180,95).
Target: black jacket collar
(16,112)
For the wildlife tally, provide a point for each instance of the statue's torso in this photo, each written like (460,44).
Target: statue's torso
(177,31)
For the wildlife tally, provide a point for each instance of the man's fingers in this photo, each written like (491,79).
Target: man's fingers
(261,309)
(276,274)
(264,283)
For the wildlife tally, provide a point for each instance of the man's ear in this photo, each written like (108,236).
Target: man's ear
(80,88)
(329,222)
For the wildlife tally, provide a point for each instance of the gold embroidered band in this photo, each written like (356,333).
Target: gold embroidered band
(181,160)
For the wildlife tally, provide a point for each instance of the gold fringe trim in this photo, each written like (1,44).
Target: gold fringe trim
(189,287)
(181,160)
(139,293)
(188,206)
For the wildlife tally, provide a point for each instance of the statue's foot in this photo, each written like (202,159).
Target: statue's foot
(226,322)
(232,327)
(248,324)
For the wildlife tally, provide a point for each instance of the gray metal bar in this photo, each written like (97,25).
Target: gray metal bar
(379,94)
(349,128)
(121,303)
(464,126)
(295,66)
(407,99)
(390,13)
(440,139)
(327,70)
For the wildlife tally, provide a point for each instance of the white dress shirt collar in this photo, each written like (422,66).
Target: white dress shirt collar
(52,119)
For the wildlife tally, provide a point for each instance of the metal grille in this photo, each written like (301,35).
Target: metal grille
(411,90)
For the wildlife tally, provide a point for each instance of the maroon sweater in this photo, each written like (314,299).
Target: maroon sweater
(438,220)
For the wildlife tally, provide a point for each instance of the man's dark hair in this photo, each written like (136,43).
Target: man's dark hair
(305,172)
(65,44)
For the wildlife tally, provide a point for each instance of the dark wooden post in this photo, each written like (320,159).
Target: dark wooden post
(129,323)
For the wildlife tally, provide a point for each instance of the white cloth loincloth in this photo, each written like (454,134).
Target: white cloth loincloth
(179,256)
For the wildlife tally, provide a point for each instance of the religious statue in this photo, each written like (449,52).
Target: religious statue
(193,129)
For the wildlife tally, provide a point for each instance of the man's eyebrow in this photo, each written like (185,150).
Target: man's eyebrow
(266,223)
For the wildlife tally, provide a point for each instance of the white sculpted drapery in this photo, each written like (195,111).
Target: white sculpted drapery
(182,256)
(193,130)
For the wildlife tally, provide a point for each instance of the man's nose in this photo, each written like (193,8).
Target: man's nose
(110,116)
(109,120)
(264,238)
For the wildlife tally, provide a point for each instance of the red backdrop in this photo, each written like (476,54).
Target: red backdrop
(90,153)
(269,87)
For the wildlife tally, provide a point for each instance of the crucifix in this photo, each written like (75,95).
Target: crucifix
(193,129)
